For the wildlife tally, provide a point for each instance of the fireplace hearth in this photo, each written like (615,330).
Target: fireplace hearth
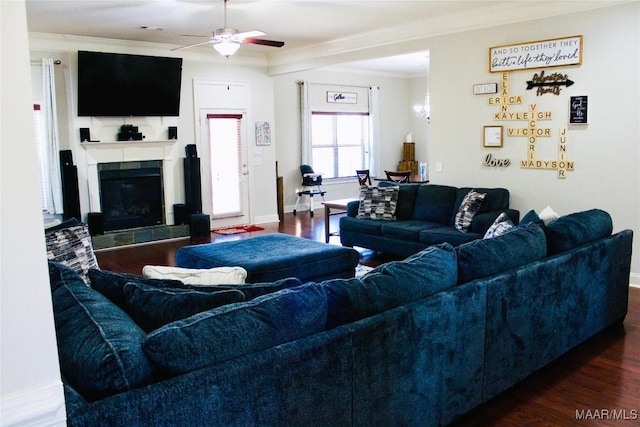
(131,194)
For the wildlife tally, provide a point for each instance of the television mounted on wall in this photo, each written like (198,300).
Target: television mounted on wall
(114,84)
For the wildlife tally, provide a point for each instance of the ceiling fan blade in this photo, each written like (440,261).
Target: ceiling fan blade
(250,34)
(271,43)
(193,45)
(193,35)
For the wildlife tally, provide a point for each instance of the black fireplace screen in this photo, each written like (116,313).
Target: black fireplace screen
(131,198)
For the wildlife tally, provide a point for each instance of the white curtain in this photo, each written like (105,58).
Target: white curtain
(51,162)
(374,131)
(305,124)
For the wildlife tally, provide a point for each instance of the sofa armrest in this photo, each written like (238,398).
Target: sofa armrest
(352,208)
(481,222)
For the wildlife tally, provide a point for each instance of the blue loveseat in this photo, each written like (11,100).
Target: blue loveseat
(425,215)
(414,342)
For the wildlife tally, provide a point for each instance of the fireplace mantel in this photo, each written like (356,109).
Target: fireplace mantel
(131,151)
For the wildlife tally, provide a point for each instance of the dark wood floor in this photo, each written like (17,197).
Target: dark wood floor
(598,381)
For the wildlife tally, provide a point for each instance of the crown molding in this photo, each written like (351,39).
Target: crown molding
(71,44)
(414,36)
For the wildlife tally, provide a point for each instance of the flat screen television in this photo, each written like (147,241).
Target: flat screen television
(114,84)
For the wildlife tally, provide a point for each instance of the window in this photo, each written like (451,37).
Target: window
(339,143)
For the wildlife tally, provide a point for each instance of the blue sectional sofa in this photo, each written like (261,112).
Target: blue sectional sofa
(425,215)
(414,342)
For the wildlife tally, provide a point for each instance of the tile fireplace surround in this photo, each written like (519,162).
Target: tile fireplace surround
(131,151)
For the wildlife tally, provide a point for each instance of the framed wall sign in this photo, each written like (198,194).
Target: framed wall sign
(537,54)
(484,88)
(342,97)
(492,136)
(578,110)
(263,133)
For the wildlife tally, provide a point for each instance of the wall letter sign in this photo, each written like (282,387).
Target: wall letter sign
(538,54)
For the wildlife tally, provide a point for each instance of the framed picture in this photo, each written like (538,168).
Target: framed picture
(263,133)
(492,136)
(578,110)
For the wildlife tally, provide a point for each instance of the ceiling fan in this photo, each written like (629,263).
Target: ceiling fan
(227,41)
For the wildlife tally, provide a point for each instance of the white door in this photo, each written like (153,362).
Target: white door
(223,134)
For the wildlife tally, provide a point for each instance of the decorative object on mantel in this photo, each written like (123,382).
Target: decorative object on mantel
(237,229)
(549,84)
(130,133)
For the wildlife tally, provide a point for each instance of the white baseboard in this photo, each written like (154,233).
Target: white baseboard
(266,219)
(40,407)
(634,280)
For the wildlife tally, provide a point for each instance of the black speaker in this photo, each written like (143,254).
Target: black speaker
(95,221)
(70,194)
(191,151)
(179,214)
(173,132)
(192,185)
(200,226)
(66,158)
(85,135)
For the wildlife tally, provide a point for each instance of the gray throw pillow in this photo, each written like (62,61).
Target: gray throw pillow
(378,202)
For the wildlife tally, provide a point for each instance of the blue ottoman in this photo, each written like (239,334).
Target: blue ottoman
(271,257)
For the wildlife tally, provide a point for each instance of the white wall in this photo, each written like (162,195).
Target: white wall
(605,151)
(31,387)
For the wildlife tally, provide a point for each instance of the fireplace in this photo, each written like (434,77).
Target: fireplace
(131,194)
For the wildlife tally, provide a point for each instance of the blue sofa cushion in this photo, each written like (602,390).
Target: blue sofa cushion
(391,285)
(359,225)
(434,203)
(406,200)
(251,290)
(378,202)
(227,332)
(100,347)
(111,284)
(530,217)
(152,307)
(486,257)
(576,229)
(407,231)
(435,236)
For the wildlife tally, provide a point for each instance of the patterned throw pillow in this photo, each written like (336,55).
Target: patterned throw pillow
(468,209)
(501,225)
(378,202)
(72,247)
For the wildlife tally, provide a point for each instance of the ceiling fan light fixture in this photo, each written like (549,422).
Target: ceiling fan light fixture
(227,47)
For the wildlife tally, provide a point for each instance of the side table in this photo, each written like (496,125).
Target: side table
(341,205)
